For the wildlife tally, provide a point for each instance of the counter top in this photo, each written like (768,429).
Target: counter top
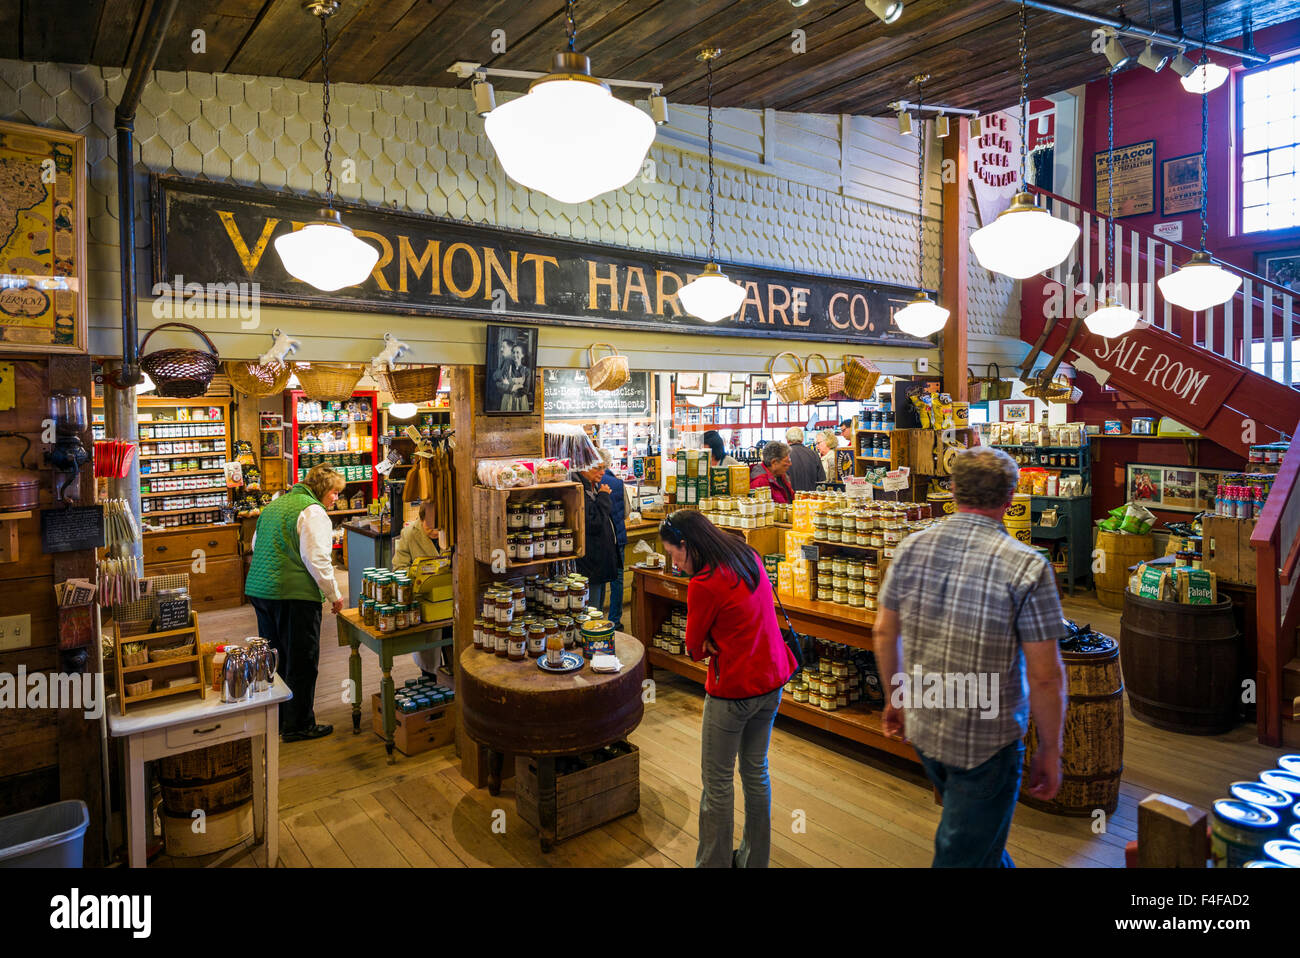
(367,527)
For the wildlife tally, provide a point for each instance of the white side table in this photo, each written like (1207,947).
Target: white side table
(172,726)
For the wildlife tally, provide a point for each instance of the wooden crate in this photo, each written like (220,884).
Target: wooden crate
(490,519)
(416,732)
(585,799)
(1226,551)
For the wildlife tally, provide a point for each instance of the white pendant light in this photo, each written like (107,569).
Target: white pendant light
(1199,284)
(702,400)
(1112,319)
(711,296)
(1024,239)
(402,410)
(922,316)
(325,253)
(1206,77)
(569,137)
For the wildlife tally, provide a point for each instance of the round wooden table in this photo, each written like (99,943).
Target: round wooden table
(516,707)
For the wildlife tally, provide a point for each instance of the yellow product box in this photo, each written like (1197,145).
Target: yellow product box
(739,479)
(795,540)
(784,577)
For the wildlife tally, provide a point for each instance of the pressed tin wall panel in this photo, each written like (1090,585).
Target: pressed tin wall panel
(822,194)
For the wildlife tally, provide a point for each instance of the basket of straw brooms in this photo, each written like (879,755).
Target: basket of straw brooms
(860,377)
(609,372)
(327,382)
(790,387)
(417,384)
(258,380)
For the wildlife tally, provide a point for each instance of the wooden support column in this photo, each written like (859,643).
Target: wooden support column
(121,421)
(956,258)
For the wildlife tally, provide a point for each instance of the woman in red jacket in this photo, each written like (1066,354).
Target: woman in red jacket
(730,618)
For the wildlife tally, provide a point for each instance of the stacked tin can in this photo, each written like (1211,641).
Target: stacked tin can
(1259,825)
(388,602)
(419,694)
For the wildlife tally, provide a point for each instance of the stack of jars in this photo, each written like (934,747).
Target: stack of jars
(538,530)
(740,512)
(388,602)
(517,617)
(671,636)
(833,682)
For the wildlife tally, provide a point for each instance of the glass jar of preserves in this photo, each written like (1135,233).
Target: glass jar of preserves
(827,702)
(524,548)
(578,594)
(368,611)
(537,516)
(536,640)
(384,589)
(555,513)
(855,568)
(552,543)
(855,599)
(800,693)
(399,617)
(566,629)
(840,565)
(840,582)
(387,618)
(825,593)
(505,607)
(516,644)
(402,590)
(841,597)
(502,643)
(478,634)
(517,597)
(877,540)
(414,615)
(488,607)
(512,546)
(566,542)
(530,587)
(516,517)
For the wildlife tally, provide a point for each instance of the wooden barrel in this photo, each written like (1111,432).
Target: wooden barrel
(1118,553)
(218,781)
(1092,753)
(1180,664)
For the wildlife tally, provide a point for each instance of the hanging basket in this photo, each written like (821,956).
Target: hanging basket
(609,372)
(817,386)
(327,382)
(180,373)
(258,380)
(1051,391)
(789,387)
(860,377)
(415,385)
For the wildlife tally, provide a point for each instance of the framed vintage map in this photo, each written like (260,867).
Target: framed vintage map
(42,239)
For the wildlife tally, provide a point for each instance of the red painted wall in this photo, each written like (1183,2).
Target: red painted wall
(1154,106)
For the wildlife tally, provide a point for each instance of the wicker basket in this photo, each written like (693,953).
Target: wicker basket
(215,761)
(128,629)
(415,385)
(135,658)
(607,373)
(175,652)
(817,385)
(258,380)
(1052,391)
(860,377)
(790,387)
(327,382)
(180,373)
(143,687)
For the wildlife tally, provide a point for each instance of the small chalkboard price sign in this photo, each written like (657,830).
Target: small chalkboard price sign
(72,529)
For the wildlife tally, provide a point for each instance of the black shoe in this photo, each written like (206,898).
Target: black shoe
(310,732)
(431,676)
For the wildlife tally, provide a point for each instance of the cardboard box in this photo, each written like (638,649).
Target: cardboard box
(416,732)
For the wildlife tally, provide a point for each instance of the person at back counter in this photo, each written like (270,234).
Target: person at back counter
(771,472)
(419,541)
(718,456)
(806,468)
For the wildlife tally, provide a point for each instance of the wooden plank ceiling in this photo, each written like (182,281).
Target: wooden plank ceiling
(853,63)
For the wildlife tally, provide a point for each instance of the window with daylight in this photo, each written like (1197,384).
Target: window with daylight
(1261,352)
(1270,148)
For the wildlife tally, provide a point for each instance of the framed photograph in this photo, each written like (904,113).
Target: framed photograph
(735,399)
(271,443)
(511,370)
(1135,179)
(1280,266)
(42,240)
(1177,489)
(271,420)
(719,383)
(1016,410)
(690,384)
(760,387)
(1180,185)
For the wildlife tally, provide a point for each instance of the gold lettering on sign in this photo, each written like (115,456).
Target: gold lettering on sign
(538,262)
(774,308)
(494,268)
(751,296)
(385,257)
(636,284)
(670,298)
(448,260)
(595,281)
(250,258)
(800,304)
(830,311)
(427,260)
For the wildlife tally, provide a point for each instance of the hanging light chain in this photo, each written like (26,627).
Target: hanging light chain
(325,69)
(1205,130)
(708,63)
(1024,97)
(571,25)
(1110,181)
(920,186)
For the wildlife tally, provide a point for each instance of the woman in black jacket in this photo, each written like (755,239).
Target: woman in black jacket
(600,561)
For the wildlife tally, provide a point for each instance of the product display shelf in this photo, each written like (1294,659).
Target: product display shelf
(1073,531)
(1037,457)
(491,507)
(167,670)
(366,430)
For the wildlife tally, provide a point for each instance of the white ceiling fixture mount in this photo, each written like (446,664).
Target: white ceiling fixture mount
(569,136)
(711,296)
(1112,319)
(1200,283)
(922,316)
(325,253)
(1025,239)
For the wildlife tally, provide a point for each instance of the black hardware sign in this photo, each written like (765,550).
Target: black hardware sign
(215,235)
(567,395)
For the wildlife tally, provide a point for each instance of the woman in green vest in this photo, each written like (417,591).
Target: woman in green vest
(291,574)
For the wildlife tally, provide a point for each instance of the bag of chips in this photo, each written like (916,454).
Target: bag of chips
(1137,520)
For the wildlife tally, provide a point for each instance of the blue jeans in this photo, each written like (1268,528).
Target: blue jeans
(977,807)
(616,600)
(736,727)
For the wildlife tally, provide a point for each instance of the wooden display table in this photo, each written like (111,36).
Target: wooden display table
(386,645)
(515,707)
(658,592)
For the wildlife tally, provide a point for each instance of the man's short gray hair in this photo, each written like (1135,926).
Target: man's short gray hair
(794,434)
(984,478)
(775,451)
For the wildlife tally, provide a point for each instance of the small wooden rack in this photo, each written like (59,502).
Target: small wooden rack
(9,534)
(491,524)
(186,666)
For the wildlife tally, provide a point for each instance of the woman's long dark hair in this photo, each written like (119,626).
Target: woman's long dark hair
(713,440)
(711,548)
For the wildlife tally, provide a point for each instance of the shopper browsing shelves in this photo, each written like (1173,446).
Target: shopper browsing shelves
(806,468)
(772,471)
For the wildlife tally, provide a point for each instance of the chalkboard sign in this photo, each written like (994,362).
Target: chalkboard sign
(566,395)
(811,552)
(71,529)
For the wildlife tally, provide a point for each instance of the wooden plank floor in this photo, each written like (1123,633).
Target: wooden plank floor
(833,803)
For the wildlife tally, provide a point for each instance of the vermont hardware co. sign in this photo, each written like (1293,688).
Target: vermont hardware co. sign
(215,233)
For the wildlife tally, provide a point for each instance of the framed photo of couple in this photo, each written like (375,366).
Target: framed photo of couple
(511,363)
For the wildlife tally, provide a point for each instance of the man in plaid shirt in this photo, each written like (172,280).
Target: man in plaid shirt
(966,641)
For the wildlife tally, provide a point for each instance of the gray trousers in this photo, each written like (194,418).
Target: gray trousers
(736,728)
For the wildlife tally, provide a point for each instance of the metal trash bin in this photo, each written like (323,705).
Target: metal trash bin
(47,837)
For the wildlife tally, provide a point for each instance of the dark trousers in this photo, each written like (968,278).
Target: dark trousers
(978,804)
(292,626)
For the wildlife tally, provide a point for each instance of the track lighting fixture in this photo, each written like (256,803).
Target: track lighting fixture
(1118,56)
(1205,77)
(976,127)
(485,100)
(887,10)
(1153,61)
(1181,65)
(904,123)
(941,127)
